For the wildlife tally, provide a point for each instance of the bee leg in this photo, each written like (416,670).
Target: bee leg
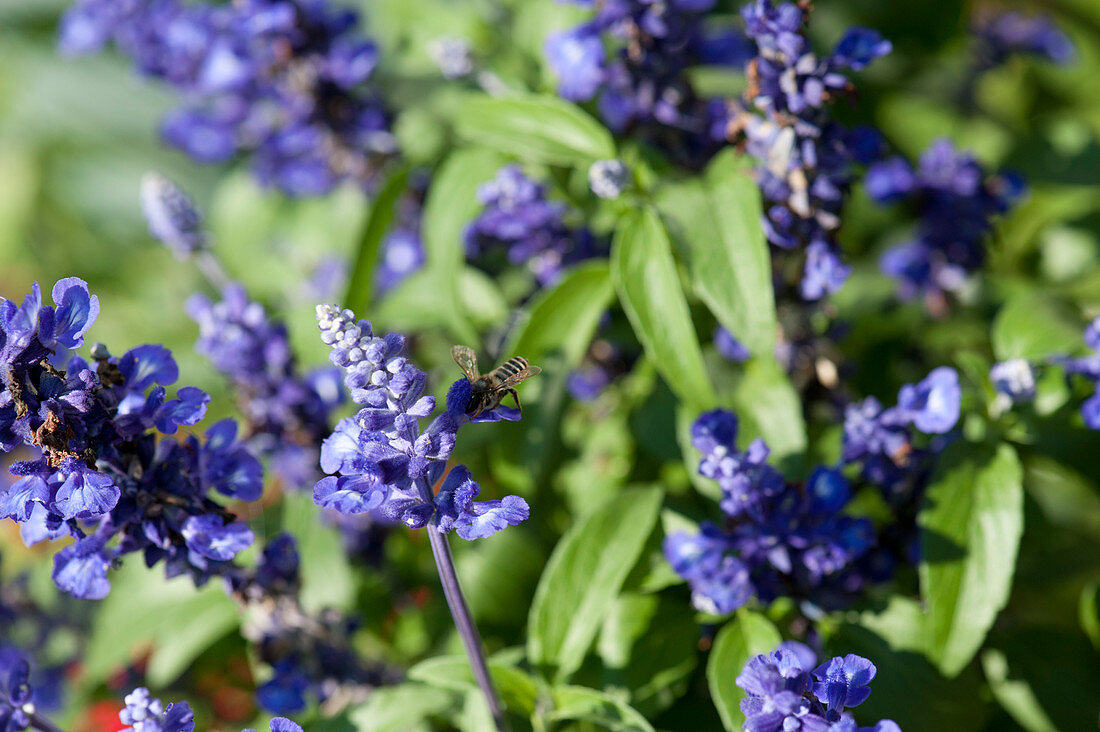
(515,395)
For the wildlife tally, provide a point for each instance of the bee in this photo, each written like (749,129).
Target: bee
(489,389)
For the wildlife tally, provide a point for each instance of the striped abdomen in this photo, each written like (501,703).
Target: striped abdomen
(509,369)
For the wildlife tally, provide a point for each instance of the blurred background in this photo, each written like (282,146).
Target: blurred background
(76,136)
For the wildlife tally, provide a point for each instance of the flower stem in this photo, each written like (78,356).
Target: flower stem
(464,622)
(42,724)
(212,269)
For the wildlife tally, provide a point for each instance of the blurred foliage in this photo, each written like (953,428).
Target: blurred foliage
(583,616)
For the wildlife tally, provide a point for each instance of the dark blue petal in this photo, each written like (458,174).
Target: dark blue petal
(211,537)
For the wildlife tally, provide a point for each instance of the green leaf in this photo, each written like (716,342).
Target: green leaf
(176,619)
(1014,695)
(896,640)
(970,525)
(584,576)
(450,205)
(564,318)
(381,215)
(648,284)
(1045,678)
(1088,612)
(731,266)
(582,703)
(404,708)
(770,408)
(481,298)
(327,579)
(517,689)
(647,645)
(1033,327)
(747,635)
(544,129)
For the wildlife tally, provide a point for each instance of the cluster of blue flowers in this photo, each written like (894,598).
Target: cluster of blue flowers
(787,691)
(779,539)
(881,441)
(631,57)
(793,539)
(1001,35)
(309,653)
(530,229)
(1089,367)
(283,80)
(382,461)
(106,462)
(806,162)
(955,200)
(16,693)
(287,413)
(41,632)
(144,713)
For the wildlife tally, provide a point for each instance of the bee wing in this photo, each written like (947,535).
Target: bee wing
(519,376)
(467,361)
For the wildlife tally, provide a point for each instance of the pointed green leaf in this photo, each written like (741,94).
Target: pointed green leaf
(404,708)
(1034,327)
(718,220)
(747,635)
(604,710)
(517,689)
(970,525)
(564,318)
(584,576)
(770,408)
(544,129)
(648,284)
(450,205)
(382,211)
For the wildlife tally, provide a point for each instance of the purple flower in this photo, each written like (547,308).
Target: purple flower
(287,82)
(577,57)
(213,538)
(106,471)
(729,346)
(475,519)
(956,201)
(1001,35)
(281,724)
(781,538)
(825,273)
(518,219)
(842,682)
(81,570)
(806,163)
(383,462)
(932,404)
(632,58)
(1087,366)
(16,695)
(172,217)
(288,413)
(782,697)
(143,713)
